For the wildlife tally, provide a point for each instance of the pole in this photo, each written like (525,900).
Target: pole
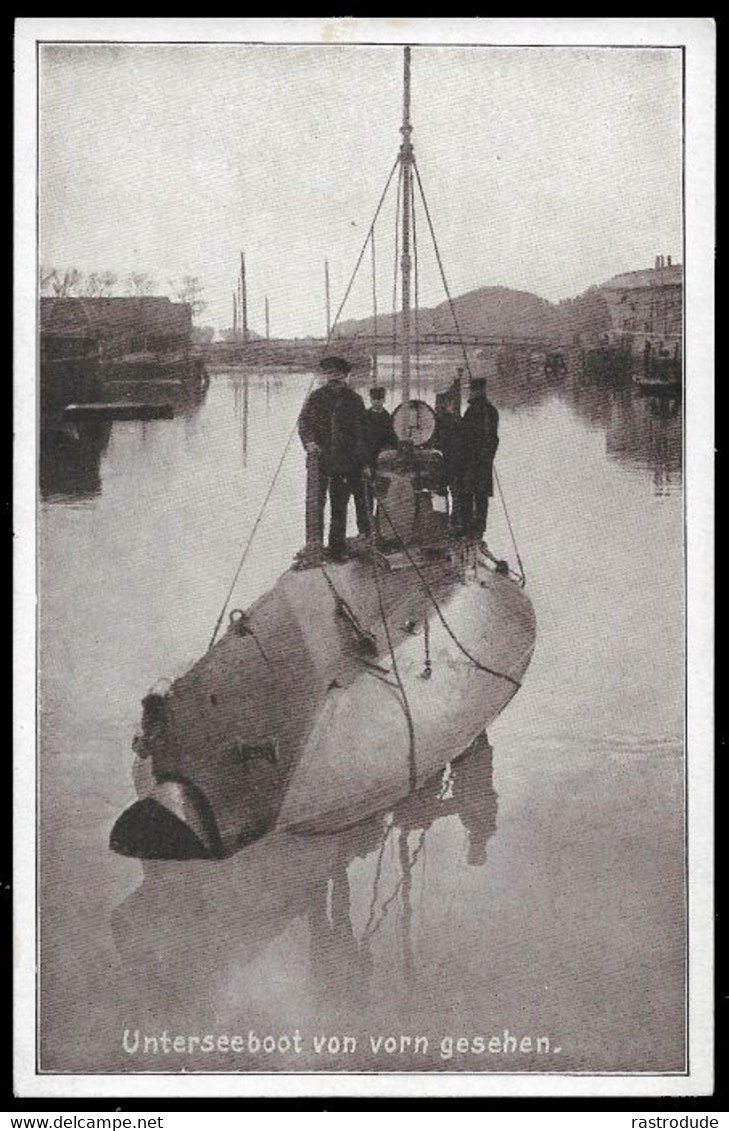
(235,318)
(374,305)
(406,158)
(268,324)
(329,304)
(244,297)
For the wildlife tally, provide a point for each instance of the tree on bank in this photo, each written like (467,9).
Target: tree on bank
(189,290)
(101,284)
(61,284)
(70,282)
(139,283)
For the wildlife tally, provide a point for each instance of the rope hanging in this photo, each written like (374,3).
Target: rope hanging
(417,287)
(292,433)
(412,765)
(256,524)
(522,571)
(436,606)
(367,934)
(374,303)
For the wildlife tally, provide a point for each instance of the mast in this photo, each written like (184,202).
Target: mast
(329,306)
(244,297)
(406,161)
(235,318)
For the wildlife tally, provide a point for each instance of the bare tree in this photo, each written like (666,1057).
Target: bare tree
(100,284)
(61,284)
(189,289)
(47,276)
(139,283)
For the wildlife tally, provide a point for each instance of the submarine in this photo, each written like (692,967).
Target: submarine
(348,684)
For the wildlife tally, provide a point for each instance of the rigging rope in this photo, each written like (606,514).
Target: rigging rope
(257,523)
(395,276)
(417,286)
(412,766)
(364,248)
(439,612)
(287,445)
(374,303)
(511,529)
(367,934)
(442,272)
(378,874)
(464,352)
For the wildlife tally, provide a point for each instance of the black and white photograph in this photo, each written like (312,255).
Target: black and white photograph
(363,423)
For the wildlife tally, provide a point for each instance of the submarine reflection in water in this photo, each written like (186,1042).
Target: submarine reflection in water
(163,930)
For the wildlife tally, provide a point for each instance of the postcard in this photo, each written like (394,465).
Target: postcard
(364,511)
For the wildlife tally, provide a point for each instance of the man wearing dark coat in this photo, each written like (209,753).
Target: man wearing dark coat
(447,439)
(332,424)
(379,431)
(480,439)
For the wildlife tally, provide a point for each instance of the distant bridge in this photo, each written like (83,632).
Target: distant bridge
(384,342)
(295,352)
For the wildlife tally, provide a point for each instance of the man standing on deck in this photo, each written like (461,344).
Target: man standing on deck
(332,427)
(480,439)
(379,430)
(447,439)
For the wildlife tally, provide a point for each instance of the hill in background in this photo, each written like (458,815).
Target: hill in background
(500,311)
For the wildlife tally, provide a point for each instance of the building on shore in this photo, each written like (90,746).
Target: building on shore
(113,327)
(646,309)
(87,343)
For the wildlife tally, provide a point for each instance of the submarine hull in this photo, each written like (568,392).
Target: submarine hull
(308,715)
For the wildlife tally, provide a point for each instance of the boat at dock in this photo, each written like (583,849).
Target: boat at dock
(662,376)
(348,684)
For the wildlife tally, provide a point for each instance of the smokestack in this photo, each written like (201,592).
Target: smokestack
(658,262)
(669,261)
(268,326)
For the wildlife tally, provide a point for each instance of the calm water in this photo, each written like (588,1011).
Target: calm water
(535,887)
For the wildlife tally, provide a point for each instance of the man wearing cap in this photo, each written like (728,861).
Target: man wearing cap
(480,439)
(379,430)
(332,424)
(448,440)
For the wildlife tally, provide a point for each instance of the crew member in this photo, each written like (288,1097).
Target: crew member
(480,439)
(379,431)
(332,424)
(447,439)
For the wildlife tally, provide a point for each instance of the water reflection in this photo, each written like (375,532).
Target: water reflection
(492,931)
(71,453)
(189,923)
(70,460)
(641,432)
